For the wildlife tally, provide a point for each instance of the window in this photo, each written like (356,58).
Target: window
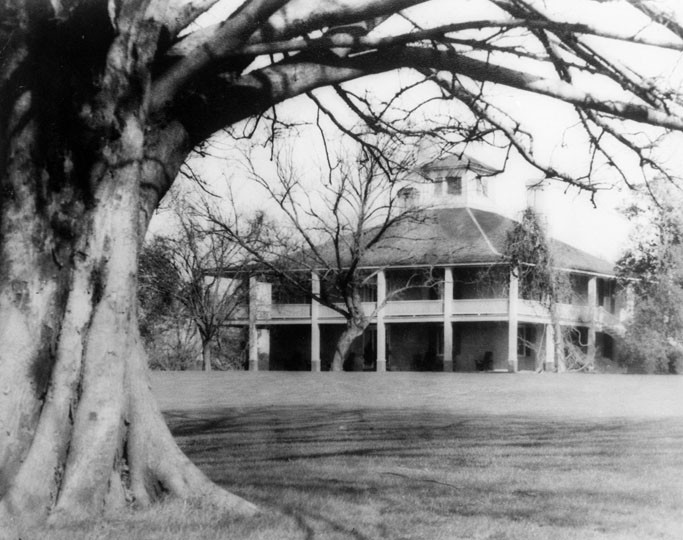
(454,185)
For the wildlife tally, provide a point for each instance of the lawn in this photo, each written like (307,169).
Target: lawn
(423,456)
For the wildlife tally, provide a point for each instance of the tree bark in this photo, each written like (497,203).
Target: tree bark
(354,329)
(560,364)
(80,433)
(91,438)
(206,354)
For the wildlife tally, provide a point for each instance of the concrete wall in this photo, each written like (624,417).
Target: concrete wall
(472,340)
(418,347)
(363,352)
(329,334)
(479,282)
(414,347)
(417,284)
(410,346)
(536,349)
(290,348)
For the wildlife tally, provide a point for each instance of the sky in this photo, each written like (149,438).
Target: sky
(595,226)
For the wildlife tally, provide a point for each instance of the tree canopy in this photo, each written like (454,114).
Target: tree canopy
(652,268)
(203,78)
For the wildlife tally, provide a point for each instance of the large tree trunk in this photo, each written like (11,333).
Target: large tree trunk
(354,329)
(80,432)
(90,436)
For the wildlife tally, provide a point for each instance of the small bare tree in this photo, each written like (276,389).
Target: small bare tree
(330,230)
(164,326)
(193,254)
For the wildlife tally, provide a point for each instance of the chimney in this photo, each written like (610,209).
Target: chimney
(537,200)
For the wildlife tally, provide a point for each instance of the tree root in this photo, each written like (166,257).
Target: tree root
(103,462)
(158,466)
(98,440)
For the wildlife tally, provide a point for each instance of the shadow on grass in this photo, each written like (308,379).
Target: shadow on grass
(366,473)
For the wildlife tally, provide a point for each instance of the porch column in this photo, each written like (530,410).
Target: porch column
(627,312)
(315,324)
(253,331)
(592,313)
(549,359)
(381,326)
(447,323)
(513,298)
(263,348)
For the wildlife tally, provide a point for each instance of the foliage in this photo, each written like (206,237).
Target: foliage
(173,347)
(528,253)
(164,325)
(231,349)
(652,340)
(652,268)
(159,284)
(184,303)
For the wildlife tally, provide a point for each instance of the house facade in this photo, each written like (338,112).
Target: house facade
(442,298)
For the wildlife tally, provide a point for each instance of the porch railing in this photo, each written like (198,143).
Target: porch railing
(414,308)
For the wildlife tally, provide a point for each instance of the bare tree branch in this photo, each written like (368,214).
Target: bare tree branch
(290,78)
(298,19)
(228,37)
(439,32)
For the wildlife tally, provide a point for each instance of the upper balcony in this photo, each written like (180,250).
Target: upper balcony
(491,309)
(470,302)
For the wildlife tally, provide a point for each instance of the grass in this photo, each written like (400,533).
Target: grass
(422,456)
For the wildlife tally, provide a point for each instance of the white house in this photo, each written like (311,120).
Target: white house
(453,321)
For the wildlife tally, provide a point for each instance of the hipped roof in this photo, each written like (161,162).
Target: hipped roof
(464,236)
